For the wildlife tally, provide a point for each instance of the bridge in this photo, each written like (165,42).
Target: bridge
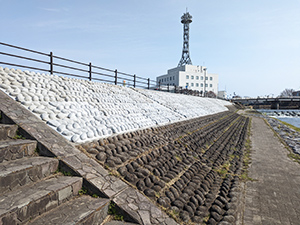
(292,102)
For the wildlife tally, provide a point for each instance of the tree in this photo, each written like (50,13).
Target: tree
(286,93)
(211,94)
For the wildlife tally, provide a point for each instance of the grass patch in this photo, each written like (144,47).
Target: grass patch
(19,136)
(252,111)
(95,196)
(112,210)
(247,156)
(114,173)
(289,125)
(65,173)
(205,219)
(83,191)
(174,214)
(157,194)
(294,156)
(223,170)
(178,158)
(226,166)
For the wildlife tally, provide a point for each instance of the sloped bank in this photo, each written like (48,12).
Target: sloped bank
(82,110)
(189,168)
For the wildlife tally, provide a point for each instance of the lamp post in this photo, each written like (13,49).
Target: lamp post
(204,86)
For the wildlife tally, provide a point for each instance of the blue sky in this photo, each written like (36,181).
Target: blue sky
(254,46)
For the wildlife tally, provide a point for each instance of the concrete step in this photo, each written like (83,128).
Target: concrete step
(28,202)
(16,148)
(7,131)
(81,210)
(20,172)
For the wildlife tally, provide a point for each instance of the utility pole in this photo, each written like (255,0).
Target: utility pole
(204,86)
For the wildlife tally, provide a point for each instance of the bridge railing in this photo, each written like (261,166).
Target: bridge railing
(20,57)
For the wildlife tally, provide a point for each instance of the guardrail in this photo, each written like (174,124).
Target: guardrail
(58,65)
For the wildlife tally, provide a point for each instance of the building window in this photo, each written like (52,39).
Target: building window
(201,77)
(192,84)
(210,85)
(170,78)
(201,84)
(197,84)
(173,77)
(206,85)
(187,84)
(210,78)
(192,77)
(206,78)
(167,78)
(197,77)
(187,76)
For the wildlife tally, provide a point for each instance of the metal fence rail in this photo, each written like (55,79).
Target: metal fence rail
(30,59)
(58,65)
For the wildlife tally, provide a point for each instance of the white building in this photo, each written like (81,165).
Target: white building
(222,94)
(190,77)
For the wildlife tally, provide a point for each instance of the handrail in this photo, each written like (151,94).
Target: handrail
(64,63)
(86,70)
(69,60)
(25,49)
(28,67)
(22,57)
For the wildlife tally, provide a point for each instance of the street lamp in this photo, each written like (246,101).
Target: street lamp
(204,87)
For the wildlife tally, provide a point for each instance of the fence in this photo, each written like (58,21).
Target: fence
(58,65)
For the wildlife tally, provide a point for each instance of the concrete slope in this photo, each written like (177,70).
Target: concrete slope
(81,110)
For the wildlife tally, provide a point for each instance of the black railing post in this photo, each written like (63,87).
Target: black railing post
(116,77)
(134,80)
(175,91)
(168,87)
(51,63)
(90,71)
(148,83)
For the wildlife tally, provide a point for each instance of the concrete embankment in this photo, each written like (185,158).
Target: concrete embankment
(81,110)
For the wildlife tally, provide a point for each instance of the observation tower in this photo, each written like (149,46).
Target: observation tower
(186,19)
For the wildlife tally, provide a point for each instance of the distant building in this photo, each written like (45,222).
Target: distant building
(187,76)
(190,77)
(296,93)
(222,94)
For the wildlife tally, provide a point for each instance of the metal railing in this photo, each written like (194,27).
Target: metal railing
(58,65)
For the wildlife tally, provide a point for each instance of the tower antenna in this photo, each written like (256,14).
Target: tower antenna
(186,19)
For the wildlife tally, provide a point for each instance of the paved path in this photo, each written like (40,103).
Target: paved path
(275,197)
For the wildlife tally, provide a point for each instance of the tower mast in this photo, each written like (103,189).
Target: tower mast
(186,19)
